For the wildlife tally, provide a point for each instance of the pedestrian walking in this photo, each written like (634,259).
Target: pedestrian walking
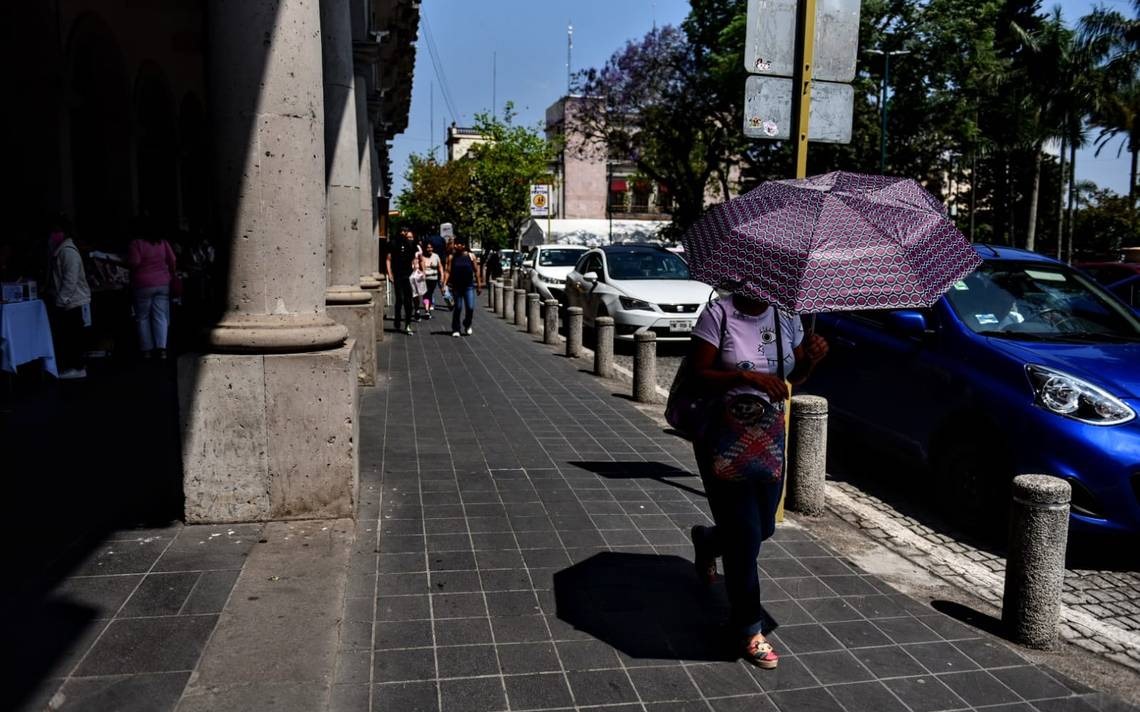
(403,259)
(153,268)
(463,278)
(432,266)
(741,352)
(70,304)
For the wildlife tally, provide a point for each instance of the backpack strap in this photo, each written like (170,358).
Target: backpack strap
(779,343)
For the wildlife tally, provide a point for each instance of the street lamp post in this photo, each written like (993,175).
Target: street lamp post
(883,101)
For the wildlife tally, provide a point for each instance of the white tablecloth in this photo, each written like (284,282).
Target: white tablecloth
(25,335)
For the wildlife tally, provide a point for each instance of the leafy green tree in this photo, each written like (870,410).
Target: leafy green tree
(502,170)
(1103,222)
(437,193)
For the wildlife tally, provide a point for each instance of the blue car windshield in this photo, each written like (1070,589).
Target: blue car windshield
(646,264)
(1034,301)
(558,258)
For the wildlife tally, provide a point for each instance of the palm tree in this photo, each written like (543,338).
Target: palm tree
(1050,95)
(1113,42)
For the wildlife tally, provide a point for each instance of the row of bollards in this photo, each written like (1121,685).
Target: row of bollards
(1039,518)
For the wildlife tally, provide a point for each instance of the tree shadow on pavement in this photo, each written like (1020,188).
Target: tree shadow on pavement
(639,469)
(645,606)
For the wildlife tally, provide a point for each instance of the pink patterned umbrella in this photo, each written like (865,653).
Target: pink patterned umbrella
(835,242)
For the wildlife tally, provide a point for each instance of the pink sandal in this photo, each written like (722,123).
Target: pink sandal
(760,653)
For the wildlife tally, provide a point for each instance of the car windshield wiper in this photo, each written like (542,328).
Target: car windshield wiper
(1015,335)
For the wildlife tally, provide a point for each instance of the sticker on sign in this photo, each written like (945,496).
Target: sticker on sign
(768,110)
(770,38)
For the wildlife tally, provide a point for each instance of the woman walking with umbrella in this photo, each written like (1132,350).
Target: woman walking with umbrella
(743,349)
(835,242)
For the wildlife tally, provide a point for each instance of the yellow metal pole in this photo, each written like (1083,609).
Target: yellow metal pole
(801,93)
(801,113)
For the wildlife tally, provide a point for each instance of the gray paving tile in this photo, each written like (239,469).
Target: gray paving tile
(102,595)
(663,683)
(723,679)
(149,645)
(925,693)
(809,700)
(835,667)
(544,691)
(462,631)
(979,688)
(349,698)
(467,661)
(161,595)
(406,665)
(406,697)
(940,657)
(479,694)
(601,687)
(154,692)
(889,662)
(1031,683)
(867,697)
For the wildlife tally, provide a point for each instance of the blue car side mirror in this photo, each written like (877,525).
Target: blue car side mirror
(907,322)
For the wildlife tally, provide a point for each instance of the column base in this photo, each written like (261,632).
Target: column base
(378,300)
(368,282)
(352,294)
(360,320)
(269,437)
(273,333)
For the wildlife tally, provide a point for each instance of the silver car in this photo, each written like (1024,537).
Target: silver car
(643,287)
(545,269)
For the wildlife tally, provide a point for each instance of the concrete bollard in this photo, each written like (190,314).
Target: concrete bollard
(496,295)
(1035,567)
(807,455)
(533,315)
(574,332)
(520,307)
(604,348)
(491,294)
(645,368)
(508,303)
(550,323)
(500,299)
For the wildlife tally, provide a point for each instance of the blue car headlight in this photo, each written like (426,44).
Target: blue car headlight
(1074,398)
(629,304)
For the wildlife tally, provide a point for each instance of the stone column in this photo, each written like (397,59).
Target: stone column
(366,250)
(550,323)
(374,204)
(269,427)
(533,314)
(348,304)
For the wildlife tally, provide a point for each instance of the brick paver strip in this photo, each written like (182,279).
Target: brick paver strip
(522,546)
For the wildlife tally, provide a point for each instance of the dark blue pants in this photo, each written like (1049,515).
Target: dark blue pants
(745,515)
(464,300)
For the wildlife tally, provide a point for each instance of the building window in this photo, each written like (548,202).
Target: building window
(664,198)
(617,192)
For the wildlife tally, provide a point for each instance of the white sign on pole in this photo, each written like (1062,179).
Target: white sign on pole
(768,110)
(540,200)
(770,39)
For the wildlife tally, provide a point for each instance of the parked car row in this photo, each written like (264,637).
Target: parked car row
(1025,366)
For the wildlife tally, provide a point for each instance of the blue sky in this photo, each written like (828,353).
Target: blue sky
(528,40)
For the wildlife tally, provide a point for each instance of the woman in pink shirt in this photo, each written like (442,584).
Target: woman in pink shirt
(152,270)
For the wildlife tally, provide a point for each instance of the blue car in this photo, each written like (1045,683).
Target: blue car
(1025,366)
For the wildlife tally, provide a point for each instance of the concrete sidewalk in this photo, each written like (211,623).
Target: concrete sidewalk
(522,546)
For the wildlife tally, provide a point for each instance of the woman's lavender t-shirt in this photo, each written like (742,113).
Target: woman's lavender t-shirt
(749,341)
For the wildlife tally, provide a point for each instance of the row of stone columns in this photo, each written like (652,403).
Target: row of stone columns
(269,424)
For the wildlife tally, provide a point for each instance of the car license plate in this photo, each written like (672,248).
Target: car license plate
(680,326)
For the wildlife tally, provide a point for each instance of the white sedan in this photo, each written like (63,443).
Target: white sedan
(643,287)
(545,269)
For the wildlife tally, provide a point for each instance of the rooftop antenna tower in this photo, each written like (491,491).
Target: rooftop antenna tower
(494,84)
(569,54)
